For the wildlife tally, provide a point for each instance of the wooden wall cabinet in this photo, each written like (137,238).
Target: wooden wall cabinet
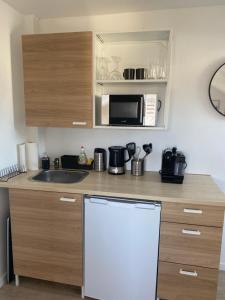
(47,235)
(58,79)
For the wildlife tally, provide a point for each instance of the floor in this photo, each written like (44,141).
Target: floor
(31,289)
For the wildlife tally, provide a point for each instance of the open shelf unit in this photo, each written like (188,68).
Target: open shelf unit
(147,49)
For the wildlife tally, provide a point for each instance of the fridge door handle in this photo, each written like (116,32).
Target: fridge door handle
(145,206)
(98,201)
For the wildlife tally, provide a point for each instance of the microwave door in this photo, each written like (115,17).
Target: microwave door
(126,110)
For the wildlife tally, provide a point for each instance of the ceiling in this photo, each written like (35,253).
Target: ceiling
(67,8)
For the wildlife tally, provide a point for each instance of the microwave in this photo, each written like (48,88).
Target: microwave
(129,110)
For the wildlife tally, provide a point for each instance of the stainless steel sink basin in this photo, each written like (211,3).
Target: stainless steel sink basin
(61,176)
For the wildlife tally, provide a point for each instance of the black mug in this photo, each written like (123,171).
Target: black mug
(128,74)
(140,73)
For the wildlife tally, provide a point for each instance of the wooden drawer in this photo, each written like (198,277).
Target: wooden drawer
(182,282)
(190,244)
(47,235)
(193,214)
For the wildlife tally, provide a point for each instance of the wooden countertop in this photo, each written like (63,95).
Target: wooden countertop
(196,189)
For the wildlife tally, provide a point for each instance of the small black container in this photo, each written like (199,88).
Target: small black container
(129,74)
(45,163)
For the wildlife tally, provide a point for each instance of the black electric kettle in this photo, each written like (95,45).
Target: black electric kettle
(117,158)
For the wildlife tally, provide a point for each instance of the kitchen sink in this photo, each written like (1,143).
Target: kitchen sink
(61,176)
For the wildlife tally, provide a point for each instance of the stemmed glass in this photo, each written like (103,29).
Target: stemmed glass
(115,74)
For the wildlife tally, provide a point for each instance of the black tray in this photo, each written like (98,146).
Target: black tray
(71,162)
(172,178)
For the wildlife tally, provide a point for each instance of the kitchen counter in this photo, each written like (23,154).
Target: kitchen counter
(196,189)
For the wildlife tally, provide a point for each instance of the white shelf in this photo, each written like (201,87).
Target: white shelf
(129,127)
(135,81)
(159,35)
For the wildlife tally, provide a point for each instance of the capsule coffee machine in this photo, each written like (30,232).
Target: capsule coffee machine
(173,166)
(117,158)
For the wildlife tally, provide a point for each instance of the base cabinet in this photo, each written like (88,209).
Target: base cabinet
(47,235)
(181,282)
(189,254)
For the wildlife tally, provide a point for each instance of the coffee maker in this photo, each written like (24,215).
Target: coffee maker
(173,166)
(117,158)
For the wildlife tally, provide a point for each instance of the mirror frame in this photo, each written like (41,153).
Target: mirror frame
(210,98)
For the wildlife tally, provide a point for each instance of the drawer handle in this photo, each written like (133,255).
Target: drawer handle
(80,123)
(191,232)
(71,200)
(188,273)
(193,211)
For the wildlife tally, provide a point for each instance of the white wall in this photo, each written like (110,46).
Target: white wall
(12,128)
(193,126)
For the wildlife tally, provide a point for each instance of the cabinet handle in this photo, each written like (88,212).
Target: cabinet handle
(188,273)
(191,232)
(193,211)
(80,123)
(63,199)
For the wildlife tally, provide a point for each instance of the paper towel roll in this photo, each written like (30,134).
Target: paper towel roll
(22,160)
(32,156)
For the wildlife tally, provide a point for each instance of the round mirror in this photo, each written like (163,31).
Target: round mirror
(217,90)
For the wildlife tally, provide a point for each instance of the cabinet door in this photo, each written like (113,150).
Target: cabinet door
(47,235)
(182,282)
(58,79)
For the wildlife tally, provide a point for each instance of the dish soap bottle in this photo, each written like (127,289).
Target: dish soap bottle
(82,157)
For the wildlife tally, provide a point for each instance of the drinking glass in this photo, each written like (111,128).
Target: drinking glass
(102,66)
(115,74)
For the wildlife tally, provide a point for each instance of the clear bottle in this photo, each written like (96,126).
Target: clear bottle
(82,157)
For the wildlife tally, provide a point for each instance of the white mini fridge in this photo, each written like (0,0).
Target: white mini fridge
(121,247)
